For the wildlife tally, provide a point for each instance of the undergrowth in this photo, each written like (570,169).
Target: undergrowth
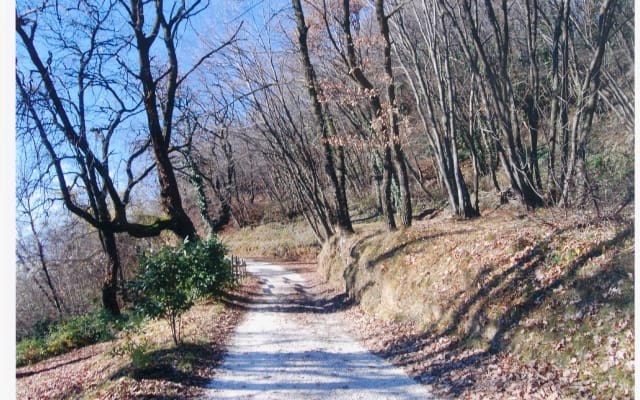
(72,333)
(146,360)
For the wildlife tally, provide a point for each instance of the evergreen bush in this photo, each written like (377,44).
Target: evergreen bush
(170,281)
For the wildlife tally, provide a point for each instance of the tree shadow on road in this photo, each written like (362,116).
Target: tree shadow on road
(311,295)
(304,299)
(310,372)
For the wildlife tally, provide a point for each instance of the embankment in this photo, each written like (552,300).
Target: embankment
(545,286)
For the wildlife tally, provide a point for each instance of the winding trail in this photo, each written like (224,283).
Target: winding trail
(288,347)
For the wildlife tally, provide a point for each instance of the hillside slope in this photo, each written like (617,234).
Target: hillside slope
(464,304)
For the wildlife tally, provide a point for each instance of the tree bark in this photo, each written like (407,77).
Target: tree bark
(387,178)
(110,284)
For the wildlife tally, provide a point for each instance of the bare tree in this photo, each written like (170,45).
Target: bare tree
(63,128)
(324,125)
(28,259)
(485,30)
(209,157)
(392,113)
(424,48)
(32,208)
(381,112)
(588,95)
(288,142)
(79,102)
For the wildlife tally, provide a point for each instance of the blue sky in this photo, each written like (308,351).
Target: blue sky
(213,25)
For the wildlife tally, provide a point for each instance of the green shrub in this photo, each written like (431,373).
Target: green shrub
(169,282)
(141,358)
(42,328)
(73,333)
(29,351)
(79,332)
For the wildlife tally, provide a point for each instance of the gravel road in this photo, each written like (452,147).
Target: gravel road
(287,348)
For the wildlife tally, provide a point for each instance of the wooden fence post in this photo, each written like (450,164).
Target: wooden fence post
(238,268)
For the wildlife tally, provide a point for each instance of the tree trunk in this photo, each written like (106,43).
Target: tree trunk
(110,284)
(378,176)
(497,95)
(161,136)
(323,124)
(342,207)
(387,180)
(557,117)
(429,75)
(398,155)
(585,108)
(492,162)
(531,99)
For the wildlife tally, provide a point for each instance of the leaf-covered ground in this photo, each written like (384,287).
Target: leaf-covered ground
(526,306)
(144,364)
(456,372)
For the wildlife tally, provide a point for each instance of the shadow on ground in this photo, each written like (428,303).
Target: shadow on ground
(307,298)
(445,348)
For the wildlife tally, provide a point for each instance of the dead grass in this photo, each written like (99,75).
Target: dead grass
(288,242)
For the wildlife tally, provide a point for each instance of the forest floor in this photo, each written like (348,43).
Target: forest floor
(514,305)
(296,316)
(538,306)
(445,369)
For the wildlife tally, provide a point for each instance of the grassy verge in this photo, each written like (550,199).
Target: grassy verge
(552,291)
(288,242)
(146,360)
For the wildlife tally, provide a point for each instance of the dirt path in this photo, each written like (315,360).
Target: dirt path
(289,347)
